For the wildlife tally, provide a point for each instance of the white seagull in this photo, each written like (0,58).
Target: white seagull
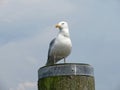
(60,47)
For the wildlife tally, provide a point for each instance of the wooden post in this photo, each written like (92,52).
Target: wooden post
(68,76)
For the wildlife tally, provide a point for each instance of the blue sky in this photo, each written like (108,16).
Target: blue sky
(27,27)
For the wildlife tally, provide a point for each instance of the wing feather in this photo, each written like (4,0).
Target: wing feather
(50,58)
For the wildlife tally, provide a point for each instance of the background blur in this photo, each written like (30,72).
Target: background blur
(27,27)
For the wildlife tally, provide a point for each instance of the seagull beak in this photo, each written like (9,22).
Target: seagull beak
(57,26)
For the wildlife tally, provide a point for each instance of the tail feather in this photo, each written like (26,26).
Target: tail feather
(50,61)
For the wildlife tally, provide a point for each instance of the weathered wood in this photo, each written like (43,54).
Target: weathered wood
(69,76)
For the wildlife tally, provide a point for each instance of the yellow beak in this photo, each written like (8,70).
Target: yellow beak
(57,26)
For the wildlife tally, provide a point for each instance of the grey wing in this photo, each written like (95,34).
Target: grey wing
(50,46)
(50,58)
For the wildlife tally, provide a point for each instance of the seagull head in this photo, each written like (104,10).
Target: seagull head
(62,25)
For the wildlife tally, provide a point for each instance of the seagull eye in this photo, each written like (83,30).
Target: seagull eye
(62,23)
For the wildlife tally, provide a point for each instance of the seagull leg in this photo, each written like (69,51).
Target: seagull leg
(54,60)
(64,60)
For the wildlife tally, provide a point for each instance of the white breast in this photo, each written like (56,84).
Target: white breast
(62,47)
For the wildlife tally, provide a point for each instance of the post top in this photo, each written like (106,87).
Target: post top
(65,69)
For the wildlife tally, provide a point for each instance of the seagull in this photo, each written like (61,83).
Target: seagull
(60,47)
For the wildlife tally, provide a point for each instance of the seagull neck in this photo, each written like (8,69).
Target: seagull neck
(64,32)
